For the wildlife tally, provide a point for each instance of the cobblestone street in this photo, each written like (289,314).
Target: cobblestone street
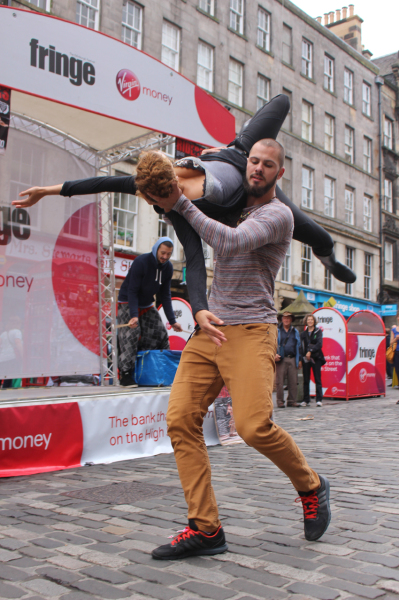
(57,546)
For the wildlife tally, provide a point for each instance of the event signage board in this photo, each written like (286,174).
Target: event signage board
(75,65)
(389,310)
(49,314)
(366,355)
(333,373)
(184,316)
(104,429)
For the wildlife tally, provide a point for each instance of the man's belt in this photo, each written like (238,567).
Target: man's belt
(289,356)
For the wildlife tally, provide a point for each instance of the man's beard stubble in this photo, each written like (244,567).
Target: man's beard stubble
(255,191)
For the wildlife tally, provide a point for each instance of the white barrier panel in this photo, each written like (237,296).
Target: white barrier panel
(80,67)
(49,437)
(48,266)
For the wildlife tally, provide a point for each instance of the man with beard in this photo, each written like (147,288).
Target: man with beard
(236,345)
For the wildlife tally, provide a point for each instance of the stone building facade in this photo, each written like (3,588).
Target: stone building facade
(244,53)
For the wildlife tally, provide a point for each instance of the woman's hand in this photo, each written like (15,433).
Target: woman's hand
(34,194)
(205,319)
(213,150)
(308,355)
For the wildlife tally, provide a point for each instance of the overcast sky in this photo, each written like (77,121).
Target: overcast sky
(380,21)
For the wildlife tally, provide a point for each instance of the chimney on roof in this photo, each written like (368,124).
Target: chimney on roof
(338,14)
(325,18)
(331,17)
(318,19)
(344,12)
(351,10)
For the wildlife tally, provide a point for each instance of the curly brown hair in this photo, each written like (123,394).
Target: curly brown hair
(155,174)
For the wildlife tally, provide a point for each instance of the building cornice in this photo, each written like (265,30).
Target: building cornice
(329,35)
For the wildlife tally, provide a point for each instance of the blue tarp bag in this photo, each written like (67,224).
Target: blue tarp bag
(156,367)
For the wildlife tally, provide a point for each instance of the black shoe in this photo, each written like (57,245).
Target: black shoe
(316,510)
(265,123)
(192,542)
(127,380)
(337,269)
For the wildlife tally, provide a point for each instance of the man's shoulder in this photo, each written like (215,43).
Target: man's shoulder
(277,209)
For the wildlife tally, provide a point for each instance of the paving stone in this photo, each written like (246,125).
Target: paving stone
(100,536)
(207,590)
(144,559)
(355,588)
(159,592)
(46,588)
(11,544)
(60,576)
(249,587)
(12,573)
(350,575)
(314,591)
(36,552)
(380,559)
(69,537)
(67,562)
(101,589)
(6,555)
(383,572)
(46,543)
(24,563)
(261,576)
(10,591)
(107,575)
(194,571)
(79,596)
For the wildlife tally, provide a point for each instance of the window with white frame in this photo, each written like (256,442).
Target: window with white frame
(388,205)
(132,24)
(349,206)
(236,70)
(328,73)
(263,91)
(87,13)
(367,214)
(307,187)
(165,230)
(207,6)
(327,279)
(286,181)
(329,133)
(388,261)
(348,86)
(125,220)
(285,271)
(349,261)
(205,66)
(44,4)
(349,144)
(329,196)
(287,44)
(388,142)
(367,275)
(366,99)
(263,38)
(170,45)
(237,16)
(307,58)
(367,148)
(307,121)
(306,267)
(288,119)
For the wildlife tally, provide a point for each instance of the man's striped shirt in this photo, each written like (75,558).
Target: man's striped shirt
(248,259)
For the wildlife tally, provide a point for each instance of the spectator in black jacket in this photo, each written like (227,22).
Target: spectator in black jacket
(149,274)
(313,359)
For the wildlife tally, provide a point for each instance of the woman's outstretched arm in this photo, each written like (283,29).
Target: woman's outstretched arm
(80,187)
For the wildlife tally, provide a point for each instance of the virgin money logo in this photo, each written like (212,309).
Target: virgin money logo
(363,375)
(128,85)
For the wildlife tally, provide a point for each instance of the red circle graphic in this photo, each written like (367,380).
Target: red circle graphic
(128,84)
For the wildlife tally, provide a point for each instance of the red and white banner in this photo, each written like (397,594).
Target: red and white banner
(366,354)
(184,316)
(74,65)
(333,373)
(49,437)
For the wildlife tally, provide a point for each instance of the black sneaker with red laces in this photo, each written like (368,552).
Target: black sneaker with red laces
(316,510)
(192,542)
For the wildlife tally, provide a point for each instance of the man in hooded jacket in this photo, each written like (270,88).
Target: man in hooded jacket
(149,274)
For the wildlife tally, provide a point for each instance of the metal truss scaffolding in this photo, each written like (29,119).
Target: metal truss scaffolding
(102,161)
